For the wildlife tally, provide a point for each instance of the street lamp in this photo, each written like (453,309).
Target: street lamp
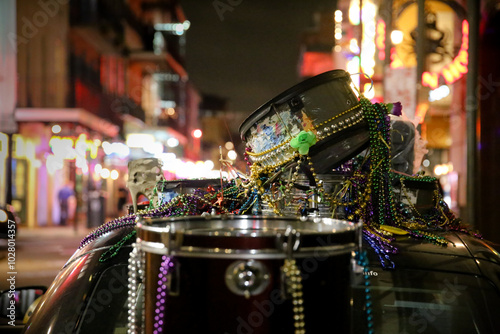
(197,133)
(397,37)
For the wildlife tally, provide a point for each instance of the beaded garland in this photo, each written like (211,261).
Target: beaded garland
(293,280)
(380,179)
(182,205)
(362,260)
(136,265)
(113,250)
(375,203)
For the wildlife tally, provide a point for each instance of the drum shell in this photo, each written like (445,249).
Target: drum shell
(289,206)
(205,304)
(309,105)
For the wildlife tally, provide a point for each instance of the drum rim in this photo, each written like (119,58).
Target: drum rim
(287,94)
(170,239)
(249,254)
(152,226)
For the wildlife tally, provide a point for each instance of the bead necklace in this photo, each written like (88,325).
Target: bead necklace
(293,281)
(166,265)
(272,200)
(362,260)
(113,250)
(136,265)
(385,211)
(122,222)
(181,205)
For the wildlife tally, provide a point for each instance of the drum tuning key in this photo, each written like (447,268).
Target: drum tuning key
(247,278)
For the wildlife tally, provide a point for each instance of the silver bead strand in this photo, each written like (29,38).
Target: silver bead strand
(142,278)
(132,290)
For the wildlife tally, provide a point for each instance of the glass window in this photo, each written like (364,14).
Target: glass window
(106,311)
(413,302)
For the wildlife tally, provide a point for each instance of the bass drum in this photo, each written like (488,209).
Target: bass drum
(243,274)
(326,105)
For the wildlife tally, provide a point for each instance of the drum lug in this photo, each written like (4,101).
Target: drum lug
(247,278)
(174,280)
(295,104)
(313,200)
(291,241)
(171,240)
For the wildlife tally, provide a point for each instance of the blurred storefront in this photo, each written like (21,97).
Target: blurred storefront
(83,77)
(377,42)
(8,91)
(54,147)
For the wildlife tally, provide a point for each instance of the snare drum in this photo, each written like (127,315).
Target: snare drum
(167,190)
(242,274)
(304,200)
(325,105)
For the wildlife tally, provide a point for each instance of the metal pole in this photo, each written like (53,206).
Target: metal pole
(360,27)
(388,30)
(8,171)
(471,109)
(420,44)
(420,51)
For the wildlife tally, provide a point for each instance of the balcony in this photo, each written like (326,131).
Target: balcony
(88,93)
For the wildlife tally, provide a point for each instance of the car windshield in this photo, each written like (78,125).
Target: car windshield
(413,302)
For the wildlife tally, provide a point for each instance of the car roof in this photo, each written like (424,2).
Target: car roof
(96,242)
(463,254)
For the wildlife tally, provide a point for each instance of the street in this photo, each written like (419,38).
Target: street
(39,254)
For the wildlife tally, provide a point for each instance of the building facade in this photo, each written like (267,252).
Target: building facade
(89,74)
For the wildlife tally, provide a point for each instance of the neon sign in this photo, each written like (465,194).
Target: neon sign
(454,70)
(66,148)
(380,39)
(368,48)
(396,62)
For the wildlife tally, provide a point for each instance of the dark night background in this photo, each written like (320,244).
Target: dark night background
(252,54)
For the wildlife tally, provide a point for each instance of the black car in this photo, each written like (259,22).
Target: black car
(8,222)
(89,294)
(432,289)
